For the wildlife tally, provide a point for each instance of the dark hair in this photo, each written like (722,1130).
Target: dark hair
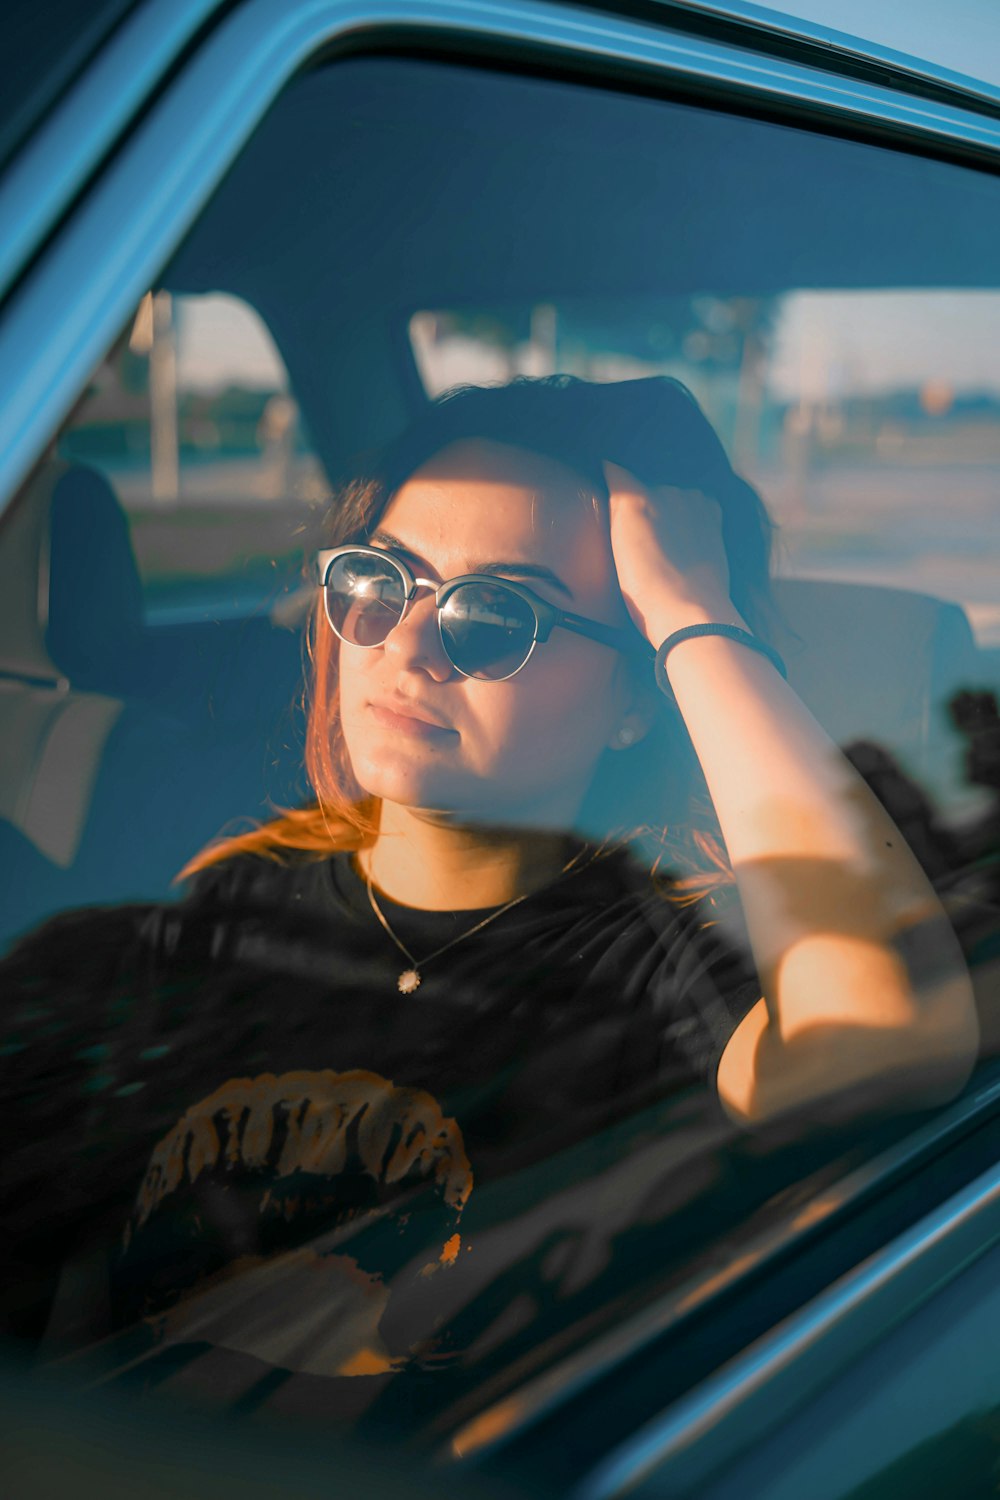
(652,796)
(652,426)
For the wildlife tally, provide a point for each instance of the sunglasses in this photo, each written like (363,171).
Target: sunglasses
(489,628)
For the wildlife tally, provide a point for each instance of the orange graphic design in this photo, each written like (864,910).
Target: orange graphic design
(399,1130)
(302,1309)
(314,1314)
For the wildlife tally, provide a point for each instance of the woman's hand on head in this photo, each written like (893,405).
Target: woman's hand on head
(669,555)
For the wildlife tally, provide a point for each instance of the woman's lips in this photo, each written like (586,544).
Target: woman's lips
(406,724)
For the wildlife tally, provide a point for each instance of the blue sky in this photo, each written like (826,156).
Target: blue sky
(963,35)
(829,343)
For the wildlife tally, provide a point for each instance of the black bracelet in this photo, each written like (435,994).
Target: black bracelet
(731,632)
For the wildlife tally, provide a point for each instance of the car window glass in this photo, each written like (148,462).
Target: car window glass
(856,412)
(192,422)
(378,1164)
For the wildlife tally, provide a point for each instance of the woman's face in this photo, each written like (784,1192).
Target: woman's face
(520,752)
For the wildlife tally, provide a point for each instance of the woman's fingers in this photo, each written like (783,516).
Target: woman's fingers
(668,548)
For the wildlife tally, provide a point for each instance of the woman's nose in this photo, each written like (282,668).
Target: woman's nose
(415,643)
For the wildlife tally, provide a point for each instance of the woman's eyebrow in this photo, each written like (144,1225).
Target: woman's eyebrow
(517,569)
(526,570)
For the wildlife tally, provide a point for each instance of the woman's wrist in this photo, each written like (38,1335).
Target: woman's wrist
(666,622)
(717,632)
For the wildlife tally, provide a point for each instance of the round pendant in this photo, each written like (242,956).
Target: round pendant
(408,981)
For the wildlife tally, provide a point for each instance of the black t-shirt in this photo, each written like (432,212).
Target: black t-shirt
(228,1107)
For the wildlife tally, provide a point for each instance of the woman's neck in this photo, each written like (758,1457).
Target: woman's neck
(425,860)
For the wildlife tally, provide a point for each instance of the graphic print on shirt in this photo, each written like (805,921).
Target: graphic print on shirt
(216,1250)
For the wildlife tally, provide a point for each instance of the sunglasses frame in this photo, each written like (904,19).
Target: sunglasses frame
(547,616)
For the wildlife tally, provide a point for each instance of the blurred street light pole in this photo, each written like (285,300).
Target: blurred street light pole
(164,456)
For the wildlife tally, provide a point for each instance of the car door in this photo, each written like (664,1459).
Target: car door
(316,219)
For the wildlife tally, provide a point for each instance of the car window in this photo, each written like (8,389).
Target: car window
(375,1159)
(192,422)
(855,411)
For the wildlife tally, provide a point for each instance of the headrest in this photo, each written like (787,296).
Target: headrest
(94,594)
(878,663)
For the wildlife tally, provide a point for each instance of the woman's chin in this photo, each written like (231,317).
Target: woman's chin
(447,803)
(408,785)
(442,797)
(411,781)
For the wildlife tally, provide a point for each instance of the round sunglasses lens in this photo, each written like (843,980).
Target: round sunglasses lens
(364,598)
(487,630)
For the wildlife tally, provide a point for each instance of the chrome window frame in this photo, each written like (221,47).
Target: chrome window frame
(705,1430)
(67,310)
(508,1418)
(823,45)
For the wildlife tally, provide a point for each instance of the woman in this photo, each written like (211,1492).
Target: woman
(541,621)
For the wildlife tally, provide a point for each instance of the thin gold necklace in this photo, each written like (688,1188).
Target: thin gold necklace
(410,979)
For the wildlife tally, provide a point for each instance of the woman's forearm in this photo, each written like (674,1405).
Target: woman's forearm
(846,930)
(860,970)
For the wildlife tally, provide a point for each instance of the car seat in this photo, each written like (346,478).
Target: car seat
(881,664)
(125,749)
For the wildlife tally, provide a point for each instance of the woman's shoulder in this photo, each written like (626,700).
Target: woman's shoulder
(247,891)
(98,937)
(79,940)
(250,877)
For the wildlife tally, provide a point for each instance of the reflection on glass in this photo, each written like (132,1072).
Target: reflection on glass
(191,422)
(496,1035)
(499,927)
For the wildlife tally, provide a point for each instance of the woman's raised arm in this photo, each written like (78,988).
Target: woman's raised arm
(862,975)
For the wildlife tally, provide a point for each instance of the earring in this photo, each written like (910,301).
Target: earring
(626,735)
